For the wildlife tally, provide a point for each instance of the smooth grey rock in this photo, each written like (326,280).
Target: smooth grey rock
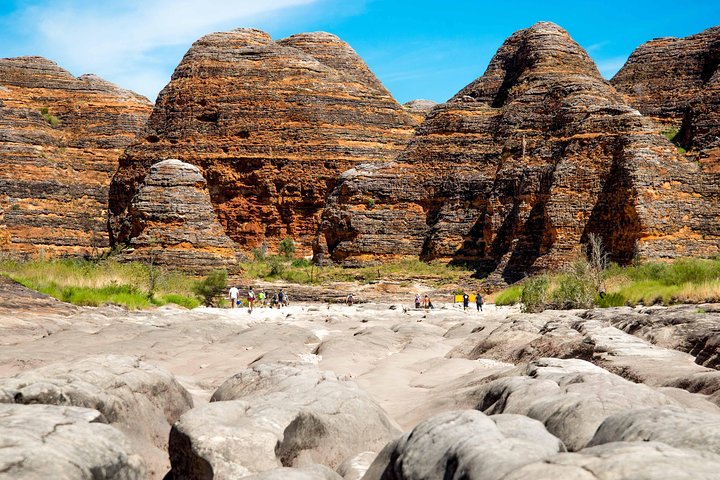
(275,415)
(570,397)
(314,472)
(462,444)
(138,398)
(47,441)
(677,427)
(354,468)
(624,461)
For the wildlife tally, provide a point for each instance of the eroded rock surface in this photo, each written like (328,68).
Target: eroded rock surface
(139,399)
(464,444)
(570,397)
(271,125)
(516,170)
(60,139)
(44,441)
(174,222)
(625,460)
(276,415)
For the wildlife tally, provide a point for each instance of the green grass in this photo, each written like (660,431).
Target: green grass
(509,296)
(88,283)
(690,280)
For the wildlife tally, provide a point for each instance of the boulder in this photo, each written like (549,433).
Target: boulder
(47,441)
(570,397)
(674,426)
(624,460)
(275,415)
(139,399)
(175,224)
(464,444)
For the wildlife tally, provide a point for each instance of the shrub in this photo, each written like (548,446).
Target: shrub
(371,202)
(211,286)
(509,296)
(611,300)
(534,294)
(573,291)
(301,263)
(286,247)
(277,266)
(670,133)
(51,119)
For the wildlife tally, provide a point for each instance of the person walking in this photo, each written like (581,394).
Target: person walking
(350,300)
(233,294)
(251,299)
(466,301)
(275,300)
(478,301)
(417,300)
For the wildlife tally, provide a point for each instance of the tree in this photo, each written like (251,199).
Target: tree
(211,286)
(598,259)
(286,247)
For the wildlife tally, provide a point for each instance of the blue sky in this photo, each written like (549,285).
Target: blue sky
(418,49)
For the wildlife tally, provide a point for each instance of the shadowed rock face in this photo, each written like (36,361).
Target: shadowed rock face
(271,125)
(174,221)
(57,163)
(518,168)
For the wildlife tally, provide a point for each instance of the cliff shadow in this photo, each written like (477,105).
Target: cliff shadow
(614,218)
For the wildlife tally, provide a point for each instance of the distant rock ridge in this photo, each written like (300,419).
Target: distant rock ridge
(175,224)
(60,138)
(518,168)
(271,125)
(664,76)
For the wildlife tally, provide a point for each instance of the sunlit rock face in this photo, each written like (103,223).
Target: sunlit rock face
(516,170)
(271,125)
(60,139)
(174,222)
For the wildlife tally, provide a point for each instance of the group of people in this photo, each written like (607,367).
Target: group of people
(478,301)
(278,299)
(426,303)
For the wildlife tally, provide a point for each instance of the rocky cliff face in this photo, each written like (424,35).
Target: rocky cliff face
(518,168)
(664,76)
(60,138)
(676,82)
(175,224)
(271,125)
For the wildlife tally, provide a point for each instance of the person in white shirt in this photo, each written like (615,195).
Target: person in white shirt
(251,299)
(234,292)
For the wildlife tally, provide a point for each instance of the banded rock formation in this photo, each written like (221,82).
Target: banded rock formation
(174,221)
(60,138)
(518,168)
(676,81)
(271,125)
(664,76)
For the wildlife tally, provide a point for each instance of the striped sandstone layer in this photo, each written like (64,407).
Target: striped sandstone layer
(271,125)
(60,138)
(518,168)
(176,224)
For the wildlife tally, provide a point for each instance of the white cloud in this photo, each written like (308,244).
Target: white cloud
(119,40)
